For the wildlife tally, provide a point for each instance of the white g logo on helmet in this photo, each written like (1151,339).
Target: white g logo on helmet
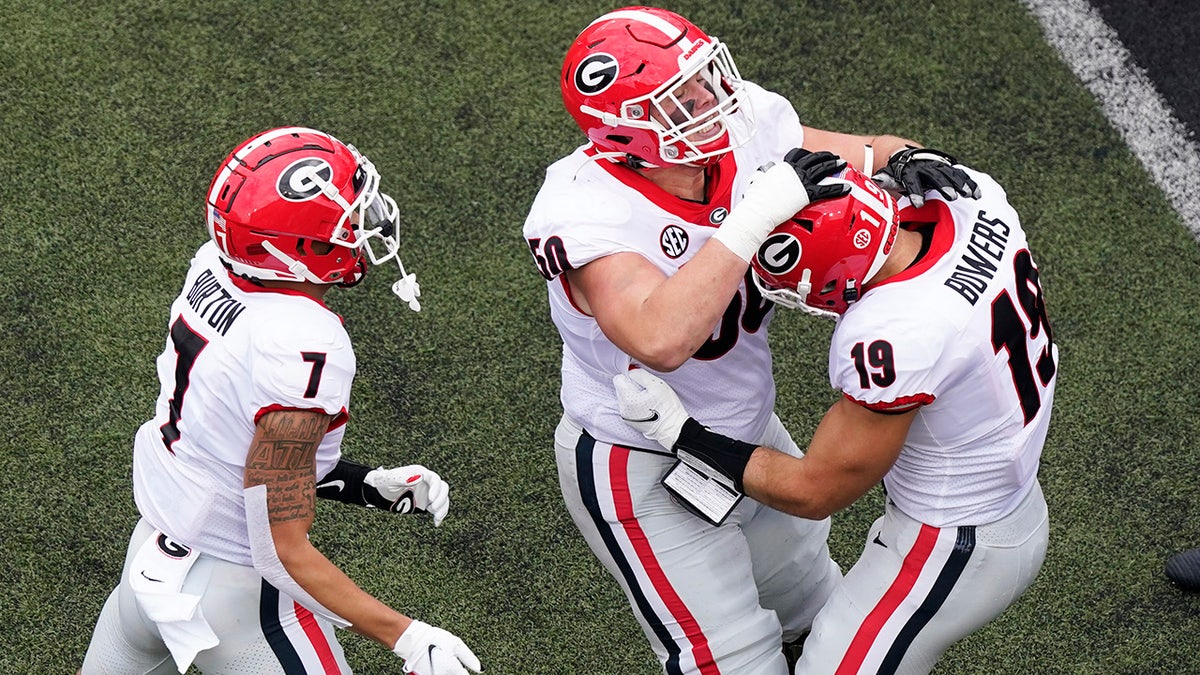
(779,254)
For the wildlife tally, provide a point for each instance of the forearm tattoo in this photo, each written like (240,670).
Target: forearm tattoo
(283,457)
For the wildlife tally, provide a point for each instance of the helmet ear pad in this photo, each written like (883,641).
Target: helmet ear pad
(821,259)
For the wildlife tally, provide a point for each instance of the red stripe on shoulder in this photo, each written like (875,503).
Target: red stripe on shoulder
(341,418)
(900,405)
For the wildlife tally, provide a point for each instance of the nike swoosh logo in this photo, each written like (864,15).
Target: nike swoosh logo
(653,416)
(143,573)
(339,484)
(878,541)
(431,670)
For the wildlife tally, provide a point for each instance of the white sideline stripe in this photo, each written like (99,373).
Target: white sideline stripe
(1128,98)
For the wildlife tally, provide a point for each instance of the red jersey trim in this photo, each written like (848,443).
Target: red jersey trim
(934,212)
(341,418)
(251,287)
(571,298)
(900,405)
(719,190)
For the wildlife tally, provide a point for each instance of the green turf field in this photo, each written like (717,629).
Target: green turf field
(113,116)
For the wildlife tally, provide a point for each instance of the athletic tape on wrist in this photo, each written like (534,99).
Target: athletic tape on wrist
(727,455)
(743,232)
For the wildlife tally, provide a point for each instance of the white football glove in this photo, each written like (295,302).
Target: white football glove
(428,650)
(650,405)
(775,194)
(410,488)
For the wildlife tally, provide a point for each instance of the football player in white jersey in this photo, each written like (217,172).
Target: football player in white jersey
(944,358)
(644,236)
(255,388)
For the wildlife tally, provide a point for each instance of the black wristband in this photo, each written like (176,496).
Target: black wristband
(345,484)
(726,454)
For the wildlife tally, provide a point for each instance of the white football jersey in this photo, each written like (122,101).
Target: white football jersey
(588,208)
(963,335)
(234,352)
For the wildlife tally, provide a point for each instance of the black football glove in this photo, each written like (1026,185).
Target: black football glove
(915,171)
(812,167)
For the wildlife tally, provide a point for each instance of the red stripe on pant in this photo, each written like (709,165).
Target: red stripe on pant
(623,503)
(910,570)
(317,638)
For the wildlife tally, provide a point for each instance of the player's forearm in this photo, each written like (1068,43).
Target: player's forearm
(885,146)
(788,484)
(328,585)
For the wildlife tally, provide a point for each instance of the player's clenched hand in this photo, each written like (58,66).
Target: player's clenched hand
(429,650)
(406,489)
(650,406)
(915,171)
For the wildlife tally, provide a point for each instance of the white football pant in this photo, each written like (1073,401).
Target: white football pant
(261,630)
(917,589)
(710,599)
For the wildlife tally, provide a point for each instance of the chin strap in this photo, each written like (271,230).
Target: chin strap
(295,267)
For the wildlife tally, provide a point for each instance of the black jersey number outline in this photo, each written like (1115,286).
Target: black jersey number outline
(188,344)
(756,308)
(1009,333)
(551,259)
(314,377)
(879,357)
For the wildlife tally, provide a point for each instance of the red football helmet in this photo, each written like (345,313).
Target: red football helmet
(650,85)
(820,259)
(296,204)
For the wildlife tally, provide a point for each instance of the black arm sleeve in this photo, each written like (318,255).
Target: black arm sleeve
(345,483)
